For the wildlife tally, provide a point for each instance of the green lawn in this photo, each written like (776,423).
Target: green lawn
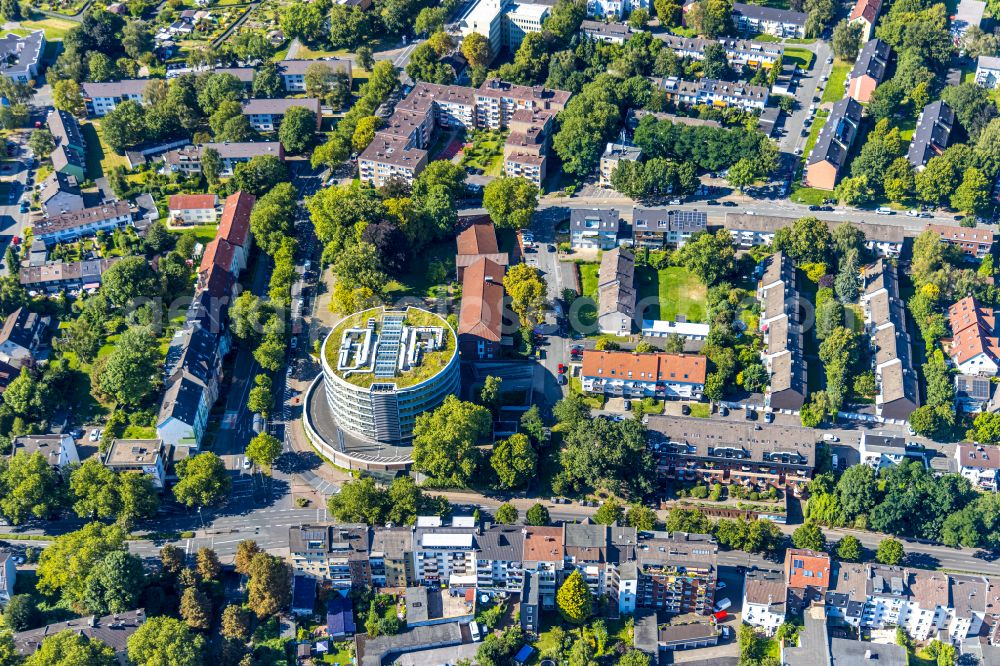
(809,195)
(764,37)
(592,401)
(204,233)
(588,278)
(675,291)
(100,158)
(701,410)
(54,28)
(418,280)
(139,432)
(799,56)
(835,86)
(486,152)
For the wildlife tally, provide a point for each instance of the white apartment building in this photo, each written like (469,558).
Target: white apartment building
(444,555)
(101,98)
(764,600)
(980,464)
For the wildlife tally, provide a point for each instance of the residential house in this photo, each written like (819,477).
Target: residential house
(976,394)
(988,71)
(21,57)
(193,208)
(544,560)
(615,153)
(69,162)
(807,578)
(753,455)
(304,596)
(187,160)
(8,576)
(885,240)
(336,555)
(480,319)
(527,165)
(391,557)
(265,114)
(892,357)
(881,451)
(869,70)
(658,229)
(58,450)
(77,223)
(596,550)
(230,249)
(764,600)
(611,33)
(60,193)
(293,72)
(444,556)
(673,572)
(980,464)
(112,630)
(619,8)
(594,228)
(975,243)
(66,131)
(54,276)
(101,98)
(657,375)
(531,605)
(781,322)
(739,52)
(865,13)
(339,616)
(932,133)
(23,335)
(498,560)
(478,241)
(145,456)
(189,394)
(387,158)
(829,154)
(756,19)
(711,92)
(616,293)
(974,347)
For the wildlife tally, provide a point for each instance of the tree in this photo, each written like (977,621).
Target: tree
(124,126)
(856,489)
(30,488)
(207,564)
(490,394)
(196,608)
(114,584)
(809,536)
(476,49)
(807,240)
(235,623)
(269,588)
(260,400)
(973,195)
(66,564)
(365,57)
(847,40)
(609,512)
(297,129)
(72,648)
(527,292)
(634,658)
(711,257)
(165,640)
(639,18)
(358,501)
(42,143)
(537,515)
(688,520)
(128,280)
(263,450)
(742,174)
(510,201)
(641,517)
(711,18)
(574,600)
(202,480)
(668,12)
(513,459)
(246,550)
(364,132)
(260,174)
(506,514)
(21,613)
(94,490)
(565,19)
(130,372)
(890,551)
(68,96)
(444,440)
(972,105)
(849,549)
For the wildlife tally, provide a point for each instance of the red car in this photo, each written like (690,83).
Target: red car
(562,368)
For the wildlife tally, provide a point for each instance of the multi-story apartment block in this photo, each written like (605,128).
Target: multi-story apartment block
(596,551)
(497,101)
(503,22)
(781,323)
(71,226)
(975,243)
(756,19)
(293,72)
(932,134)
(692,449)
(499,559)
(630,375)
(391,557)
(711,92)
(442,552)
(672,572)
(611,33)
(337,554)
(881,451)
(265,114)
(21,57)
(619,8)
(187,160)
(892,359)
(974,347)
(829,154)
(544,558)
(807,578)
(522,19)
(979,464)
(615,153)
(739,52)
(885,240)
(869,70)
(658,229)
(764,600)
(594,228)
(387,158)
(101,98)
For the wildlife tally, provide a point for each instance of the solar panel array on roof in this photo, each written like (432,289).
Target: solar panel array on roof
(975,388)
(388,347)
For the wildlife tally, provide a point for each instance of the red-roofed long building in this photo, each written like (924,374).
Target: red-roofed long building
(974,346)
(231,246)
(480,320)
(630,375)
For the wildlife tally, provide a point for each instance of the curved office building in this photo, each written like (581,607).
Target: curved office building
(381,368)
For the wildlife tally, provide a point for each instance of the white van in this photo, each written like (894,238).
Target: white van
(723,605)
(474,629)
(884,211)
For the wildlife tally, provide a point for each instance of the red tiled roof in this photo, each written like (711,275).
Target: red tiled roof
(218,253)
(972,329)
(478,238)
(869,9)
(192,201)
(481,313)
(816,565)
(235,223)
(660,366)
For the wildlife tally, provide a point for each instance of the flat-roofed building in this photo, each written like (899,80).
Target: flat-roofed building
(615,153)
(144,456)
(706,450)
(439,553)
(337,555)
(594,228)
(673,572)
(656,228)
(611,33)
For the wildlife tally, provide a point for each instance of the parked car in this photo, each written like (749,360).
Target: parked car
(750,414)
(628,405)
(768,417)
(728,204)
(723,605)
(830,437)
(561,380)
(686,410)
(561,368)
(675,202)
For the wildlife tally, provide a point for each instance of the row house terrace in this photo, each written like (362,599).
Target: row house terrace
(755,456)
